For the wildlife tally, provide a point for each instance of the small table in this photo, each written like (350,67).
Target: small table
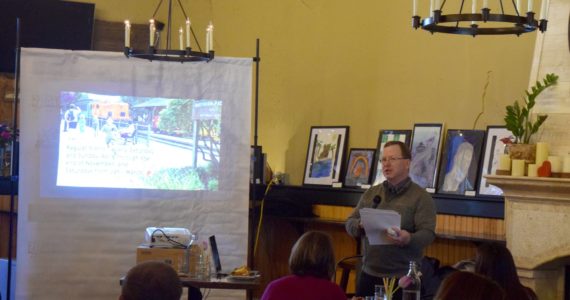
(214,283)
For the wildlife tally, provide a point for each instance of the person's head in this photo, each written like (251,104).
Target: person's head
(151,281)
(313,255)
(395,161)
(495,261)
(469,286)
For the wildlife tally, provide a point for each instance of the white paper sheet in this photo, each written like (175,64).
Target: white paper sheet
(376,222)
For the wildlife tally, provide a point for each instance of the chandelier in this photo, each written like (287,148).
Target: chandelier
(184,53)
(482,22)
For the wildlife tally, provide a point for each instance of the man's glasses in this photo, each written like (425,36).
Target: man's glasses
(391,159)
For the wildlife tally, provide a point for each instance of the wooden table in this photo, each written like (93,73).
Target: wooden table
(215,283)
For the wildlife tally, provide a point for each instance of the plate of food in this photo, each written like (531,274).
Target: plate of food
(243,273)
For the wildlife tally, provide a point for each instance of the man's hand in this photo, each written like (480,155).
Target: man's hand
(400,238)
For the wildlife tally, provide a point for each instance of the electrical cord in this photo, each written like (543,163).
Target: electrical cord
(171,241)
(261,217)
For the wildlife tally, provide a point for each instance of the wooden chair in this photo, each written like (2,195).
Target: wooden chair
(348,264)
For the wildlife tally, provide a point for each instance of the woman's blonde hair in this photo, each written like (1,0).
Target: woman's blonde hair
(313,255)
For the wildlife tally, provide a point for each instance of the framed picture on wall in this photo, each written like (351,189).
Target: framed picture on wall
(359,167)
(426,140)
(385,136)
(460,162)
(325,154)
(494,147)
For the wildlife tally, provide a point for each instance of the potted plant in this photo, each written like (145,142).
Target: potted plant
(520,122)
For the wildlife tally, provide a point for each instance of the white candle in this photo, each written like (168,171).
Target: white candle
(431,8)
(127,34)
(530,5)
(180,39)
(474,10)
(437,5)
(208,39)
(211,26)
(532,170)
(187,32)
(541,153)
(566,166)
(555,164)
(504,162)
(485,3)
(414,8)
(544,10)
(518,7)
(152,31)
(518,167)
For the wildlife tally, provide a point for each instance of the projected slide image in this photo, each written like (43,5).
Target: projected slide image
(112,141)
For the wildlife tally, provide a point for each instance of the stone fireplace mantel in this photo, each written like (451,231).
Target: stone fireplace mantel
(537,222)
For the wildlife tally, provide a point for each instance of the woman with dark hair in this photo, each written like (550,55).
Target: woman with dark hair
(496,262)
(312,266)
(469,286)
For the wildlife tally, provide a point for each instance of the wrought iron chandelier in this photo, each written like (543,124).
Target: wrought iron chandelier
(184,53)
(482,22)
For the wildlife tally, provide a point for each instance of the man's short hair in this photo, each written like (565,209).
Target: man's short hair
(403,148)
(151,281)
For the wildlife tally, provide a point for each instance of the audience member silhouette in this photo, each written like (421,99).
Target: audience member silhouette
(496,262)
(312,266)
(462,285)
(151,281)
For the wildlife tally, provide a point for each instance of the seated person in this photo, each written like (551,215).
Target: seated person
(469,286)
(496,262)
(151,281)
(312,266)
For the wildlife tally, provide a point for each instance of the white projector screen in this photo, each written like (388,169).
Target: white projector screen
(110,146)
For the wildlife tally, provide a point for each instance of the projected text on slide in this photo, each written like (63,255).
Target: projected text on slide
(111,141)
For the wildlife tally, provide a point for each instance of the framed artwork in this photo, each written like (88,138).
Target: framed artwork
(494,147)
(325,154)
(359,167)
(385,136)
(460,162)
(426,141)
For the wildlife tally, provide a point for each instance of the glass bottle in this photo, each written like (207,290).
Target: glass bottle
(412,290)
(195,261)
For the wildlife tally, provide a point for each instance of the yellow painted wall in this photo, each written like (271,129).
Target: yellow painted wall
(356,63)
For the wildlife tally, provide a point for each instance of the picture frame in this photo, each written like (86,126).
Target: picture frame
(385,136)
(460,162)
(359,167)
(494,147)
(425,149)
(325,154)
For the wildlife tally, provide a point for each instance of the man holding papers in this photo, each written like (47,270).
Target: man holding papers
(388,249)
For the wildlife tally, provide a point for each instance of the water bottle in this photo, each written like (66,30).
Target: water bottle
(412,290)
(195,259)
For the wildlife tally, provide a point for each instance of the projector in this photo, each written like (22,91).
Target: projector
(168,237)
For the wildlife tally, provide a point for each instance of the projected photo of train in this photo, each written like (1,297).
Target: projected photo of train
(138,142)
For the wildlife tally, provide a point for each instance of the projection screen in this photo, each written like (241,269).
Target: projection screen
(110,146)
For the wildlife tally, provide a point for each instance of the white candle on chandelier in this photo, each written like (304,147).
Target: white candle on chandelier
(414,8)
(518,7)
(474,10)
(437,5)
(152,31)
(431,8)
(180,38)
(530,5)
(207,38)
(127,34)
(187,32)
(544,10)
(211,36)
(485,3)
